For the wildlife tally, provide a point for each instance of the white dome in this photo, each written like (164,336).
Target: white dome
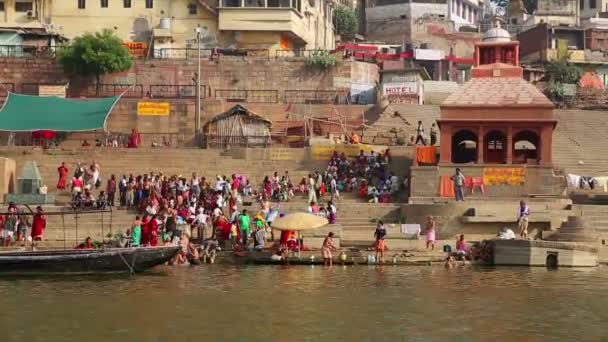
(496,34)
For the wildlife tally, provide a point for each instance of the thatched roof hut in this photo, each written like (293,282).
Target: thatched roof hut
(237,126)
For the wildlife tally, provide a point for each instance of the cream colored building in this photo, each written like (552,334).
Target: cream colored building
(278,24)
(267,24)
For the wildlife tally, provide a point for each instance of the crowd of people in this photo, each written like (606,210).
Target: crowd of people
(20,228)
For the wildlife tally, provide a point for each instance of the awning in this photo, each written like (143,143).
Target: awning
(25,113)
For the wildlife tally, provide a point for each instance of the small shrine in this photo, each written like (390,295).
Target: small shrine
(30,188)
(497,117)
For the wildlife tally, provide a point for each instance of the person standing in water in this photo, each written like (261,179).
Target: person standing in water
(431,226)
(327,248)
(380,235)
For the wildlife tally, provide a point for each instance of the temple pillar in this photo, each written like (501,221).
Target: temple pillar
(510,145)
(445,147)
(497,54)
(480,144)
(545,142)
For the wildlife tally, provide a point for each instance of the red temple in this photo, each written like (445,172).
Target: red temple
(497,117)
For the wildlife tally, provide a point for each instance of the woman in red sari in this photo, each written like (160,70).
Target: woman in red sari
(38,225)
(145,231)
(63,174)
(133,139)
(153,232)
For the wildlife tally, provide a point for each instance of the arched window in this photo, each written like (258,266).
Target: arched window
(495,149)
(464,147)
(525,147)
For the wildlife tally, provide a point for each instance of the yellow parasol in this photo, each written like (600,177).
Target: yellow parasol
(299,222)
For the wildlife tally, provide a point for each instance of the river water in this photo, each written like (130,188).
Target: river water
(304,303)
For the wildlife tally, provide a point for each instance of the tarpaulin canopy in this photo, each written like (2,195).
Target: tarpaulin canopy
(25,113)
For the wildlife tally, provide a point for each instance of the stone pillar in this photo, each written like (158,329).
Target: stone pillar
(510,145)
(445,148)
(480,144)
(545,142)
(497,54)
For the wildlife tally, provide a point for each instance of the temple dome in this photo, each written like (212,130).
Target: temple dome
(496,34)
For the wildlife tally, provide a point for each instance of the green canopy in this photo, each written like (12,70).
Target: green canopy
(25,113)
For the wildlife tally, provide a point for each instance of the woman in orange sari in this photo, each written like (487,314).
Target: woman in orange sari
(63,173)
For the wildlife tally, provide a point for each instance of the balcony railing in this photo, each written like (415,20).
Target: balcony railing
(25,51)
(315,96)
(176,91)
(106,90)
(247,95)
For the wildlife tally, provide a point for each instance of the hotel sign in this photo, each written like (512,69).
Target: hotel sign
(137,49)
(402,88)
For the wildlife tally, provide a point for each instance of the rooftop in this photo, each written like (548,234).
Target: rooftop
(497,92)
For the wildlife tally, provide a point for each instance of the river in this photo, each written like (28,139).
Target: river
(303,303)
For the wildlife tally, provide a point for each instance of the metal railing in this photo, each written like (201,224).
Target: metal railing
(105,90)
(279,54)
(121,140)
(316,96)
(247,95)
(181,53)
(176,91)
(211,54)
(25,51)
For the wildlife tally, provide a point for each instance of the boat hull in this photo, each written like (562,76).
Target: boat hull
(127,260)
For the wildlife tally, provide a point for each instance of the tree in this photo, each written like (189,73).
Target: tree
(562,71)
(346,22)
(95,55)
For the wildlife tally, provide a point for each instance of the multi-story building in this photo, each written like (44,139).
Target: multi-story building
(278,24)
(263,24)
(464,12)
(555,12)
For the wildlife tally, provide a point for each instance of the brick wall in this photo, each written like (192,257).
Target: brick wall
(17,71)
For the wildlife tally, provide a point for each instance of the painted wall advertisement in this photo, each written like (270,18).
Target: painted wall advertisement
(51,90)
(153,108)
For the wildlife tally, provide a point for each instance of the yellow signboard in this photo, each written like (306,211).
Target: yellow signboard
(324,152)
(504,176)
(153,108)
(51,90)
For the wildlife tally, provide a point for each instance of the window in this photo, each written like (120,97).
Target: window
(592,4)
(192,8)
(82,4)
(104,3)
(21,6)
(1,6)
(126,3)
(581,4)
(149,3)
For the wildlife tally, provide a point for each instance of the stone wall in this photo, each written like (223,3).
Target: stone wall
(14,72)
(538,181)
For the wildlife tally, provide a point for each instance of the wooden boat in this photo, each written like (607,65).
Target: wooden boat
(83,261)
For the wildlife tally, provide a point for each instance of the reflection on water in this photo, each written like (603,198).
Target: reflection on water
(265,303)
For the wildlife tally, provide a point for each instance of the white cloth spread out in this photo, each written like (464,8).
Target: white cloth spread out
(602,182)
(574,180)
(410,229)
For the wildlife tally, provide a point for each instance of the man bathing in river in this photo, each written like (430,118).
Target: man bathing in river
(328,246)
(522,219)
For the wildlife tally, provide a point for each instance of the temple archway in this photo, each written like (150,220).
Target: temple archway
(495,147)
(464,147)
(526,146)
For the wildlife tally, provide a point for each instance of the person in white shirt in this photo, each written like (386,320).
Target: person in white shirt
(201,224)
(312,194)
(522,219)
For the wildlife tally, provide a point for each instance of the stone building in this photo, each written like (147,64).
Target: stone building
(258,24)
